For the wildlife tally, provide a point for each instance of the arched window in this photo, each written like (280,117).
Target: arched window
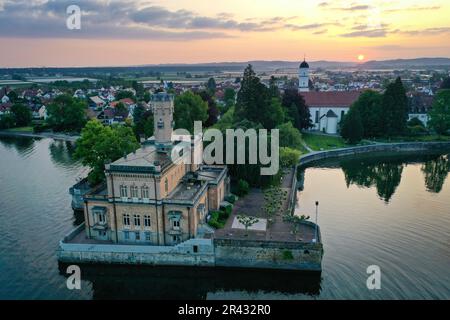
(166,185)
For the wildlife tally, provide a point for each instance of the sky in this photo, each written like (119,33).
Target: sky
(34,33)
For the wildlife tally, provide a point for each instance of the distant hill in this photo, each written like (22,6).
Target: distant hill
(408,63)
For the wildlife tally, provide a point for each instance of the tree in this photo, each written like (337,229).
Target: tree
(7,121)
(143,122)
(296,109)
(124,94)
(440,113)
(247,222)
(370,108)
(66,114)
(395,109)
(138,87)
(121,108)
(189,107)
(273,88)
(446,83)
(352,128)
(289,136)
(22,115)
(229,98)
(99,145)
(289,157)
(213,111)
(13,97)
(211,85)
(255,103)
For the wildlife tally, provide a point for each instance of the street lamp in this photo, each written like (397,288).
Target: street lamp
(317,213)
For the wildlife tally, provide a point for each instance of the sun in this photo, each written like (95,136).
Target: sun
(361,57)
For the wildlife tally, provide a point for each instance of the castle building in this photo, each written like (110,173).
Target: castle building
(148,198)
(327,108)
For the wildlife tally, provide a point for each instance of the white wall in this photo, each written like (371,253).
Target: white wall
(323,111)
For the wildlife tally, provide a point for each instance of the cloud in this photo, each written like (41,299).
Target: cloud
(310,26)
(373,33)
(121,19)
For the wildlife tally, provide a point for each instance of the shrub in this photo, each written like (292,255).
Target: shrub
(243,188)
(414,122)
(215,221)
(417,130)
(231,198)
(289,157)
(287,255)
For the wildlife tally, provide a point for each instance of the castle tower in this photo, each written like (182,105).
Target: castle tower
(303,77)
(162,105)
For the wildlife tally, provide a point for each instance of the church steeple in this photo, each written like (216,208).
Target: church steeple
(303,76)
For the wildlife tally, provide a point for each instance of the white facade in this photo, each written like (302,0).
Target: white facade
(303,77)
(421,116)
(327,124)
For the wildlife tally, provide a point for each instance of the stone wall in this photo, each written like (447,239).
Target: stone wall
(382,147)
(268,254)
(180,255)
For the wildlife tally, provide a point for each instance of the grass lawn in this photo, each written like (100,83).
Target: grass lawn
(319,142)
(22,129)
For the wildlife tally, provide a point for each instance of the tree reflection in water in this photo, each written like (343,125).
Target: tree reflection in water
(384,176)
(383,171)
(436,172)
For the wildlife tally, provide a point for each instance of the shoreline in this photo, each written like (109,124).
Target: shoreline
(380,147)
(51,135)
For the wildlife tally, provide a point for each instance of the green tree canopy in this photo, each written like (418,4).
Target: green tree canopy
(395,109)
(352,128)
(289,157)
(66,114)
(99,145)
(189,107)
(211,85)
(22,115)
(296,109)
(440,113)
(370,109)
(289,136)
(255,102)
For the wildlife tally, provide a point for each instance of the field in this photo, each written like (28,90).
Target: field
(319,142)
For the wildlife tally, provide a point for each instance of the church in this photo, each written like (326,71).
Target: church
(327,108)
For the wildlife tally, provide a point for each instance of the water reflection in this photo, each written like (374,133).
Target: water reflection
(23,145)
(61,152)
(385,177)
(436,172)
(160,283)
(384,171)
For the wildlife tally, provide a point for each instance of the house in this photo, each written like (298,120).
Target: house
(328,108)
(4,99)
(151,199)
(5,108)
(96,102)
(110,116)
(419,105)
(79,94)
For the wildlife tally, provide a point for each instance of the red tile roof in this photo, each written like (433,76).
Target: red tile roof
(330,98)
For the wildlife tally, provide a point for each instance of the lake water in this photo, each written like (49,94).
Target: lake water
(390,211)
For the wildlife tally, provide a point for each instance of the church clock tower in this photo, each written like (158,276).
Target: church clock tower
(303,77)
